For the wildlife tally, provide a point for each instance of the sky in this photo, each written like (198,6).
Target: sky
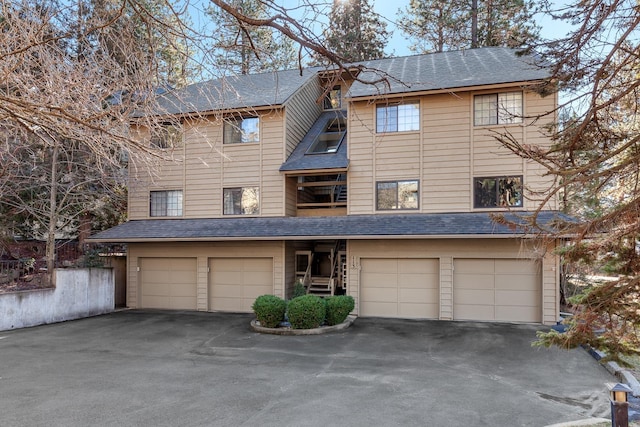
(399,45)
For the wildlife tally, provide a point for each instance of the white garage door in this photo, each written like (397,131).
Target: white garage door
(497,290)
(235,283)
(168,283)
(399,287)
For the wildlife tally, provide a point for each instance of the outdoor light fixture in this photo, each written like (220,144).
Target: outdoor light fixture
(618,395)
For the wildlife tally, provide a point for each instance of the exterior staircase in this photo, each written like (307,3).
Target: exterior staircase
(322,286)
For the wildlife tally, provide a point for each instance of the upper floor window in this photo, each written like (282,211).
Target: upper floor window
(241,201)
(166,135)
(396,195)
(241,130)
(333,99)
(497,192)
(497,108)
(398,118)
(330,139)
(165,203)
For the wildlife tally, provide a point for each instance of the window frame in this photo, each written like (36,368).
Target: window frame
(233,132)
(398,202)
(498,112)
(165,209)
(166,136)
(334,94)
(388,112)
(497,179)
(234,202)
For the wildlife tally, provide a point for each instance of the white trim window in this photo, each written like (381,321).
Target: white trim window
(241,130)
(402,117)
(502,108)
(166,136)
(241,201)
(165,203)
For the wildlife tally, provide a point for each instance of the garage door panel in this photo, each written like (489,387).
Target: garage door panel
(235,283)
(380,294)
(423,311)
(518,266)
(399,287)
(380,280)
(474,296)
(511,281)
(475,312)
(524,314)
(475,266)
(470,281)
(519,298)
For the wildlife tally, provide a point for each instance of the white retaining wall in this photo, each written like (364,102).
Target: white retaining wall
(78,293)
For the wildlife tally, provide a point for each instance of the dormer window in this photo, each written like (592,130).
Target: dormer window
(329,141)
(333,100)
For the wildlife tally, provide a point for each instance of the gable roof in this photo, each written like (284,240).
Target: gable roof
(448,70)
(476,224)
(436,71)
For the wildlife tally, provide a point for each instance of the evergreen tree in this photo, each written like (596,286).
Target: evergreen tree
(438,25)
(241,48)
(355,33)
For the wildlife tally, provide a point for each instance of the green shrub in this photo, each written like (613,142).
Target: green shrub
(306,312)
(269,310)
(298,290)
(338,308)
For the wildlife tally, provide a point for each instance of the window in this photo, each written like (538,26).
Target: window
(333,100)
(497,192)
(398,118)
(166,203)
(241,130)
(241,201)
(166,135)
(330,139)
(497,108)
(397,195)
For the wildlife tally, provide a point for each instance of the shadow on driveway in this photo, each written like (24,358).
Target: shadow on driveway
(160,368)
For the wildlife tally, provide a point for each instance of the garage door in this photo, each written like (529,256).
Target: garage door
(393,287)
(497,290)
(235,283)
(168,283)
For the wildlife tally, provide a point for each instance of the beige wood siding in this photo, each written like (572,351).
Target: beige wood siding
(203,251)
(497,290)
(302,110)
(235,283)
(405,287)
(448,252)
(203,168)
(445,155)
(272,184)
(168,283)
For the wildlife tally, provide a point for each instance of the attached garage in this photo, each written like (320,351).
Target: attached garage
(497,290)
(168,283)
(399,287)
(235,283)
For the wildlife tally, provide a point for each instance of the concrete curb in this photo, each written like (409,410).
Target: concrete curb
(624,375)
(316,331)
(586,422)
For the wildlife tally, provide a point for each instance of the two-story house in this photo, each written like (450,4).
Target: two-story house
(381,191)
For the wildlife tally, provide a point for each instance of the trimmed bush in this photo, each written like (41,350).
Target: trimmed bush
(269,310)
(306,312)
(298,290)
(338,308)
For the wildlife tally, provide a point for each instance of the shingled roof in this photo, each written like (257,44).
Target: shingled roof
(445,70)
(449,70)
(478,224)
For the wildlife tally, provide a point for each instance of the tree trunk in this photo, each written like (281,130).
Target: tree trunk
(53,215)
(474,24)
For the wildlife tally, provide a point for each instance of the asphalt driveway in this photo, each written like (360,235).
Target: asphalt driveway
(156,368)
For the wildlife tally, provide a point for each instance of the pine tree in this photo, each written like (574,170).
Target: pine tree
(243,49)
(355,33)
(437,25)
